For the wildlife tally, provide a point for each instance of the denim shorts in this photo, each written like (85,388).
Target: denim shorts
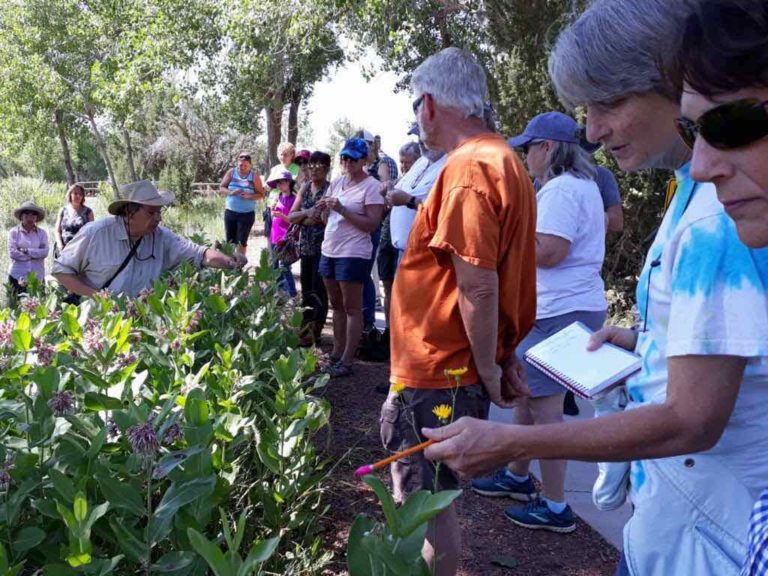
(344,269)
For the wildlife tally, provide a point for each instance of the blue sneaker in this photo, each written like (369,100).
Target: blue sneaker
(537,516)
(502,484)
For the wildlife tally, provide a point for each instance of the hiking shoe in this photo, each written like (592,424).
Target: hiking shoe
(537,516)
(502,484)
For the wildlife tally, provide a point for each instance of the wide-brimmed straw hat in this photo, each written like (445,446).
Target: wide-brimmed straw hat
(29,206)
(141,192)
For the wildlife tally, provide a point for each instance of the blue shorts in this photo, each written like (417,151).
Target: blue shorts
(344,269)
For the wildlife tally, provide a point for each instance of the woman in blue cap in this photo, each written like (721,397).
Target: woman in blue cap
(570,246)
(353,208)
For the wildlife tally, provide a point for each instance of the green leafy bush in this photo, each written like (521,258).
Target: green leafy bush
(126,426)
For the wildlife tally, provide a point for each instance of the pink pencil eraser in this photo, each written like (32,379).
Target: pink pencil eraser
(363,470)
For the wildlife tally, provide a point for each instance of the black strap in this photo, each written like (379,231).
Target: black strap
(131,254)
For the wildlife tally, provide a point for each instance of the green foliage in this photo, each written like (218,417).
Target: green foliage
(127,426)
(394,547)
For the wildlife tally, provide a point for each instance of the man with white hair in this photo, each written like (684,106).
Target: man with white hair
(472,250)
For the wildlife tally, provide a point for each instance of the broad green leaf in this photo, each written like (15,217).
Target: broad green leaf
(63,485)
(421,507)
(22,340)
(358,556)
(261,551)
(80,507)
(99,402)
(3,560)
(96,443)
(129,543)
(58,570)
(178,495)
(27,538)
(48,379)
(174,561)
(386,500)
(121,495)
(170,461)
(208,550)
(196,408)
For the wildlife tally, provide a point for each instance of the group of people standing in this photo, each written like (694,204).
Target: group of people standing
(681,86)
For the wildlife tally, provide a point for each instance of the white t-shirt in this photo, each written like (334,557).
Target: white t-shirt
(571,208)
(417,182)
(706,294)
(342,238)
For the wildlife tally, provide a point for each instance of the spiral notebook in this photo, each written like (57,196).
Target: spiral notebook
(564,357)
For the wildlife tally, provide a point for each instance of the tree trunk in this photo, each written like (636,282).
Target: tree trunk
(129,154)
(274,127)
(293,119)
(58,118)
(101,146)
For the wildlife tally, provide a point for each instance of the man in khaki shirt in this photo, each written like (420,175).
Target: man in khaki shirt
(92,259)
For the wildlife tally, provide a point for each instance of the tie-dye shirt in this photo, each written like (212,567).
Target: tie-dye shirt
(701,292)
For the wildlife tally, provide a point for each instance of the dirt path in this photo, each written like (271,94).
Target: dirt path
(353,440)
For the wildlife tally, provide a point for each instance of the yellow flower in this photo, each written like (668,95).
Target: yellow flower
(397,387)
(443,412)
(456,371)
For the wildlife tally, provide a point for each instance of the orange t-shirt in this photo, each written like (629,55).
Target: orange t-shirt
(482,208)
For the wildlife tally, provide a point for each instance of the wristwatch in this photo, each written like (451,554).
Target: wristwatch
(411,203)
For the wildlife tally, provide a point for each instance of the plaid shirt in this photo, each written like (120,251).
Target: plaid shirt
(757,553)
(373,169)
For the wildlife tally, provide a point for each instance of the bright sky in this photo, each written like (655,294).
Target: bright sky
(372,105)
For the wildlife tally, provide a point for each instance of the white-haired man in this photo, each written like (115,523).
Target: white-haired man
(472,249)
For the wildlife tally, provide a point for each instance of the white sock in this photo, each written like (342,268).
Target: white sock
(556,507)
(515,477)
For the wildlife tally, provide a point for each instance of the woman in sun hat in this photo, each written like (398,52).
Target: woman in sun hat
(281,180)
(129,250)
(27,246)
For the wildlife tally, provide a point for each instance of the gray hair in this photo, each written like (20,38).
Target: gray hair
(617,48)
(453,78)
(411,149)
(571,158)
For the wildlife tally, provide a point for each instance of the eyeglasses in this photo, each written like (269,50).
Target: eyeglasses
(316,166)
(244,157)
(526,147)
(730,125)
(417,103)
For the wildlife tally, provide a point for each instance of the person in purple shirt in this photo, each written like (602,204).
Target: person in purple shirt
(27,246)
(282,179)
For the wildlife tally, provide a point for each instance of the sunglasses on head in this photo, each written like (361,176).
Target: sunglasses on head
(244,157)
(730,125)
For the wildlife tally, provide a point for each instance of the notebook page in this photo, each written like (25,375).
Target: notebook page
(566,353)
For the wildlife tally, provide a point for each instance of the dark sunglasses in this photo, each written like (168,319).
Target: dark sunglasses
(244,157)
(730,125)
(300,162)
(417,103)
(345,158)
(526,147)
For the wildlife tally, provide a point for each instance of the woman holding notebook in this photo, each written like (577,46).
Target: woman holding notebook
(570,246)
(695,427)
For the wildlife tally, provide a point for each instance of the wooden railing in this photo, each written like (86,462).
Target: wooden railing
(91,187)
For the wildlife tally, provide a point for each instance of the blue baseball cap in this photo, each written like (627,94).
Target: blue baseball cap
(548,126)
(355,148)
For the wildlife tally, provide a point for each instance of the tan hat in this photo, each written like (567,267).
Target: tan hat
(141,192)
(29,206)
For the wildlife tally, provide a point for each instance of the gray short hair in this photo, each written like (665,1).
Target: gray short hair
(567,157)
(617,48)
(411,149)
(453,78)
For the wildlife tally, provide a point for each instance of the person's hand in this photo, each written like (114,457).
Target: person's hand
(386,187)
(398,197)
(470,446)
(332,203)
(514,381)
(246,195)
(492,382)
(239,260)
(622,337)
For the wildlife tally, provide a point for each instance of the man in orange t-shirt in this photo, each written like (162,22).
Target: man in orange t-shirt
(465,293)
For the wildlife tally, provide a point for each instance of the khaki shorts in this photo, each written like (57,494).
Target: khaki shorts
(402,415)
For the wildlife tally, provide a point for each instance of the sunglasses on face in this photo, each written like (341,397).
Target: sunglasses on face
(244,157)
(417,103)
(730,125)
(526,147)
(345,158)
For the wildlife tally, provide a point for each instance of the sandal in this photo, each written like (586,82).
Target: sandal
(339,370)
